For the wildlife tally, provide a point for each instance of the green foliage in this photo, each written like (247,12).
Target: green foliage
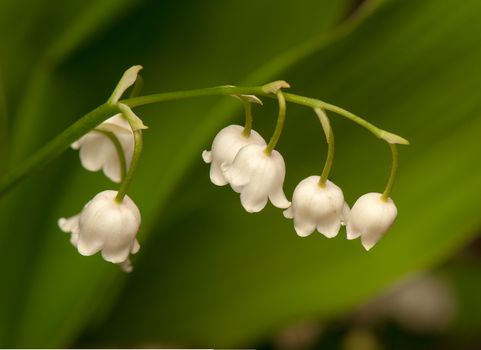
(210,274)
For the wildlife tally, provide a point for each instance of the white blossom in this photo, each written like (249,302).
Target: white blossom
(257,176)
(97,151)
(370,217)
(107,226)
(225,147)
(314,206)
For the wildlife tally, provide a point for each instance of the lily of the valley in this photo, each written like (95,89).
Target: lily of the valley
(225,147)
(97,149)
(370,218)
(107,226)
(317,207)
(257,176)
(98,152)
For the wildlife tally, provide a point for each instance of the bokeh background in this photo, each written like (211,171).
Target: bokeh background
(209,274)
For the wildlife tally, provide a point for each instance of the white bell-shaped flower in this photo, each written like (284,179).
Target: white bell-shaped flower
(98,152)
(107,226)
(257,176)
(314,206)
(225,147)
(97,148)
(370,217)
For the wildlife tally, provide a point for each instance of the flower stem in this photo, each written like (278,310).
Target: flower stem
(326,126)
(89,121)
(280,123)
(248,112)
(138,145)
(392,176)
(118,148)
(56,147)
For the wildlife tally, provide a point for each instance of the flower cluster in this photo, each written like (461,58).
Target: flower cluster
(245,162)
(109,223)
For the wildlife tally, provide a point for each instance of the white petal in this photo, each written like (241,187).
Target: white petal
(345,214)
(74,239)
(237,176)
(88,245)
(288,214)
(207,156)
(116,253)
(112,170)
(135,247)
(278,198)
(304,227)
(217,176)
(369,241)
(95,151)
(253,199)
(70,225)
(352,232)
(329,230)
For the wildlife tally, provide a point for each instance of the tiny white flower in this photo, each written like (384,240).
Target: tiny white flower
(370,217)
(257,176)
(97,151)
(318,207)
(107,226)
(225,147)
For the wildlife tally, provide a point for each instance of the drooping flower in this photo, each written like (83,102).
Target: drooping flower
(257,176)
(225,147)
(314,206)
(370,218)
(98,151)
(98,148)
(107,226)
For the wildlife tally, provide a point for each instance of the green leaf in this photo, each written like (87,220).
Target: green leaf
(56,291)
(216,276)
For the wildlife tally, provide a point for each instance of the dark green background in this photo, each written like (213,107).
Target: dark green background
(209,274)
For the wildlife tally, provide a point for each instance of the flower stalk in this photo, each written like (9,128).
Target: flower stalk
(281,118)
(326,126)
(248,113)
(138,145)
(89,121)
(392,176)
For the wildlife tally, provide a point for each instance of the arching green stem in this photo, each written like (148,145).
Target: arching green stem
(89,121)
(57,146)
(280,123)
(118,149)
(326,126)
(392,176)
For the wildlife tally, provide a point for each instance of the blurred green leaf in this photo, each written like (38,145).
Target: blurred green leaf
(217,276)
(56,291)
